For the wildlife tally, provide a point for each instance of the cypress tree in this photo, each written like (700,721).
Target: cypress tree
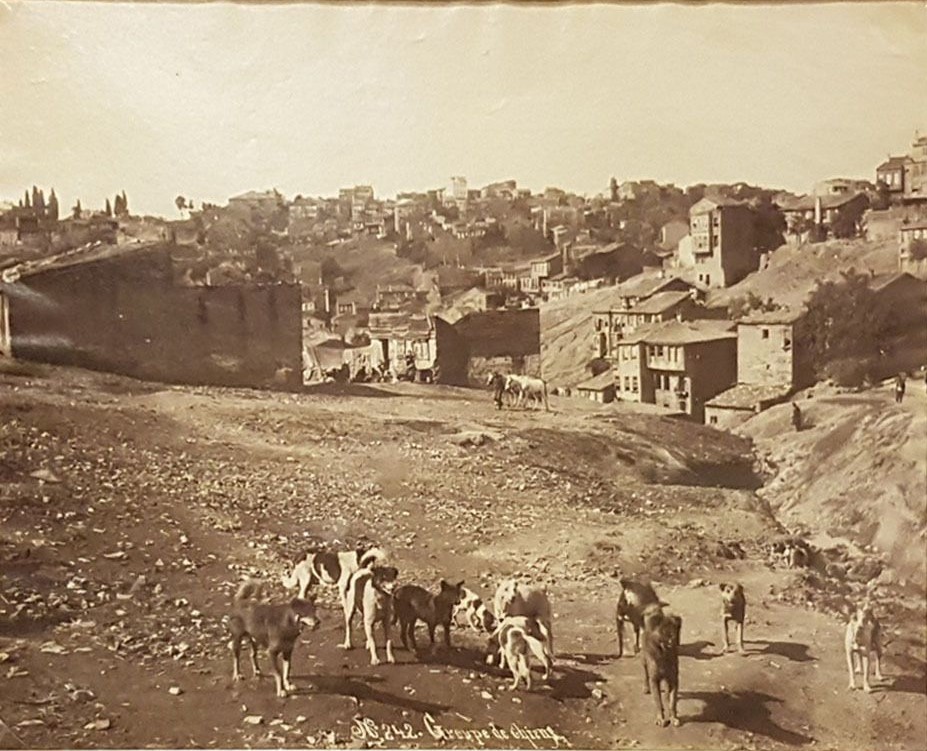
(53,206)
(27,203)
(108,210)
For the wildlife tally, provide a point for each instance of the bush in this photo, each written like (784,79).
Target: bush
(597,366)
(849,372)
(918,250)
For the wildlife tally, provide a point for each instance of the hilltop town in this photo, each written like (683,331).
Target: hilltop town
(698,300)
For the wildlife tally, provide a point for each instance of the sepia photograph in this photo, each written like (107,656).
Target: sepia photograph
(446,375)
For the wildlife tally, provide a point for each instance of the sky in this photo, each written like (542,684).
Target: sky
(210,100)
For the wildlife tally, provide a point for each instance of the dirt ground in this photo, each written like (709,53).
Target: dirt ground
(105,480)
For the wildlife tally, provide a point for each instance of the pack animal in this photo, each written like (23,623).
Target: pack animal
(520,638)
(633,599)
(473,612)
(863,643)
(733,609)
(274,627)
(512,599)
(660,653)
(331,569)
(370,591)
(528,388)
(413,603)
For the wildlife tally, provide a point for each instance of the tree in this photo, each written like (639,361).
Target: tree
(77,210)
(883,198)
(740,307)
(108,210)
(613,189)
(38,200)
(53,206)
(117,205)
(846,223)
(26,201)
(181,203)
(124,204)
(918,250)
(845,320)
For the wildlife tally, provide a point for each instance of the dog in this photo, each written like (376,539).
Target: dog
(733,608)
(513,598)
(472,611)
(519,638)
(633,599)
(660,652)
(274,627)
(863,641)
(331,569)
(412,603)
(370,590)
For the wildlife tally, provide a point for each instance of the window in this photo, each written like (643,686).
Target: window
(765,333)
(634,384)
(713,420)
(627,383)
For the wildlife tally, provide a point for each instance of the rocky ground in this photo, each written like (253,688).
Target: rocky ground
(129,512)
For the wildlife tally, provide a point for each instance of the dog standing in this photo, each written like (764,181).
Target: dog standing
(472,611)
(274,627)
(370,590)
(633,599)
(863,640)
(519,638)
(413,603)
(514,598)
(331,569)
(733,608)
(660,652)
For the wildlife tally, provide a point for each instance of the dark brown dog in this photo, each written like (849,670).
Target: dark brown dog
(733,608)
(633,599)
(275,627)
(414,604)
(660,652)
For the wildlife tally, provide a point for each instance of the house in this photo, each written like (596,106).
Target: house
(822,210)
(263,201)
(907,297)
(660,307)
(558,286)
(614,261)
(892,174)
(351,302)
(507,341)
(542,268)
(837,186)
(912,248)
(600,389)
(678,365)
(395,296)
(399,334)
(492,278)
(671,233)
(722,241)
(773,361)
(118,309)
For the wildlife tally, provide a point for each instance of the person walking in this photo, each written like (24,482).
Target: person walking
(899,388)
(498,388)
(796,417)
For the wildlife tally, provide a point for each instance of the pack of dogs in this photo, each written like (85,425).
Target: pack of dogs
(518,626)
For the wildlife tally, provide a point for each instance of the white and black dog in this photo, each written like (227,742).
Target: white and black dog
(331,569)
(472,611)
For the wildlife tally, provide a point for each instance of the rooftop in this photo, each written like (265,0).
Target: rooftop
(599,383)
(894,162)
(748,396)
(689,332)
(830,201)
(783,315)
(660,302)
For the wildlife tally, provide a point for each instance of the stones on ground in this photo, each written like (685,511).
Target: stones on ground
(175,691)
(253,719)
(99,724)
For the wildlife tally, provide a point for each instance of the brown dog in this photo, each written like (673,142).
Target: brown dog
(633,599)
(274,627)
(733,608)
(413,603)
(863,640)
(370,590)
(660,652)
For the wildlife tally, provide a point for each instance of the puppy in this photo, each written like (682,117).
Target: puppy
(863,640)
(274,627)
(733,608)
(660,652)
(370,590)
(633,598)
(519,638)
(472,611)
(331,569)
(413,603)
(514,598)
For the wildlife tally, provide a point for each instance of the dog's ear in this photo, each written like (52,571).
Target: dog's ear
(722,586)
(445,585)
(459,584)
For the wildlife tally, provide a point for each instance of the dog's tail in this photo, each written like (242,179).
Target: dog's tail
(371,557)
(250,590)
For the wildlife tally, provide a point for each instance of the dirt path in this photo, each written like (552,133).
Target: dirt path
(193,488)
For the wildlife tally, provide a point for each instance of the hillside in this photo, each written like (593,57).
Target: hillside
(793,270)
(858,471)
(131,510)
(566,335)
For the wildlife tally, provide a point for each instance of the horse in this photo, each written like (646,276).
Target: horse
(527,387)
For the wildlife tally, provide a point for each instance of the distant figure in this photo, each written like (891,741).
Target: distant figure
(796,417)
(899,388)
(498,388)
